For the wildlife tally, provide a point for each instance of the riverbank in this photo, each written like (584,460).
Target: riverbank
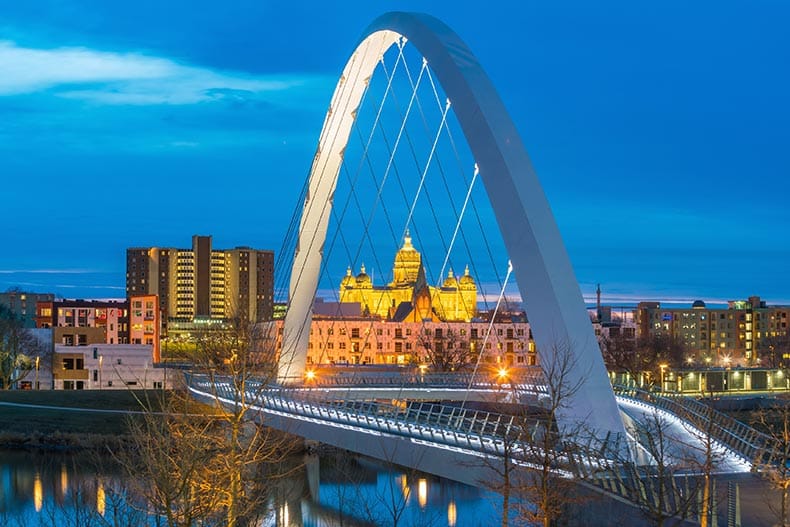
(71,420)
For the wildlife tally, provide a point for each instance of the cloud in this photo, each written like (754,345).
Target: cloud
(47,271)
(113,78)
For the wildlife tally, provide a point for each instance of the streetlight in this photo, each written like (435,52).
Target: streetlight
(38,360)
(101,359)
(663,368)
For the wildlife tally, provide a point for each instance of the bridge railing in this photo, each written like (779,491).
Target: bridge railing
(751,444)
(531,380)
(479,430)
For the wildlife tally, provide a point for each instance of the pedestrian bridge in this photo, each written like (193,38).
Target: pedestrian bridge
(443,437)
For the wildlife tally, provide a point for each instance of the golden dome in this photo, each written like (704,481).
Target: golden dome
(407,262)
(407,253)
(348,280)
(363,280)
(467,279)
(450,281)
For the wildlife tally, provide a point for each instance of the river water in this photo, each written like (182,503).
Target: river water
(335,489)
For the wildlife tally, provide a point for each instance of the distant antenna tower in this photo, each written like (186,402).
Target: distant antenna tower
(598,301)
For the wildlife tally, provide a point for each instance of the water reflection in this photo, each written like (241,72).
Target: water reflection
(38,493)
(422,492)
(338,489)
(452,514)
(64,480)
(101,499)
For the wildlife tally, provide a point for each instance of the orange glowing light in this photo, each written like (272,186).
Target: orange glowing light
(101,499)
(452,514)
(38,493)
(422,492)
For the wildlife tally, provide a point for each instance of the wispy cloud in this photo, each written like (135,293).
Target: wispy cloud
(48,271)
(126,78)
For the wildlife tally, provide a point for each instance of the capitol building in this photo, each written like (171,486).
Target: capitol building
(409,298)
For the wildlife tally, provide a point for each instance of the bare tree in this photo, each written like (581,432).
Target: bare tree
(389,501)
(657,481)
(532,460)
(17,349)
(772,351)
(445,353)
(645,356)
(212,464)
(775,466)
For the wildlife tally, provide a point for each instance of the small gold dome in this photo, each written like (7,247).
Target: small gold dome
(467,279)
(363,280)
(450,281)
(348,280)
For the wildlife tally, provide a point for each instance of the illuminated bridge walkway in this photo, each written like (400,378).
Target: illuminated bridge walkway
(464,444)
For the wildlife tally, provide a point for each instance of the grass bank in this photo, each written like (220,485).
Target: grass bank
(68,420)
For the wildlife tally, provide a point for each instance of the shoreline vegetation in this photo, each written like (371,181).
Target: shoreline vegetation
(76,420)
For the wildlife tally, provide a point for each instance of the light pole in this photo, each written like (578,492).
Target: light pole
(101,360)
(38,361)
(663,368)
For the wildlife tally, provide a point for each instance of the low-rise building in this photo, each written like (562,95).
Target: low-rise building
(111,316)
(107,366)
(360,340)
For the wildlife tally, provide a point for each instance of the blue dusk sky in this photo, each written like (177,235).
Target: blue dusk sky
(659,131)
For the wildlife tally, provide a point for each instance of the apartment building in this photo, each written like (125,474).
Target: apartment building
(202,283)
(743,333)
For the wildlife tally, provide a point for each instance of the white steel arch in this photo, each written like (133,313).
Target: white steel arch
(546,280)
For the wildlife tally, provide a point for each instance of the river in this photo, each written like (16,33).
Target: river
(335,489)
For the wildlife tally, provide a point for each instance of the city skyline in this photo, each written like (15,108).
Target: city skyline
(656,134)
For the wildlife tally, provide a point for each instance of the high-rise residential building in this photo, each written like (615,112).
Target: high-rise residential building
(745,332)
(23,304)
(202,283)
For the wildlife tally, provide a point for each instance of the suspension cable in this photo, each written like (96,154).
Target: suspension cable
(488,332)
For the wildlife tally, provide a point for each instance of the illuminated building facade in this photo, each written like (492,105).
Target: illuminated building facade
(106,366)
(112,317)
(203,282)
(361,340)
(408,296)
(744,333)
(145,323)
